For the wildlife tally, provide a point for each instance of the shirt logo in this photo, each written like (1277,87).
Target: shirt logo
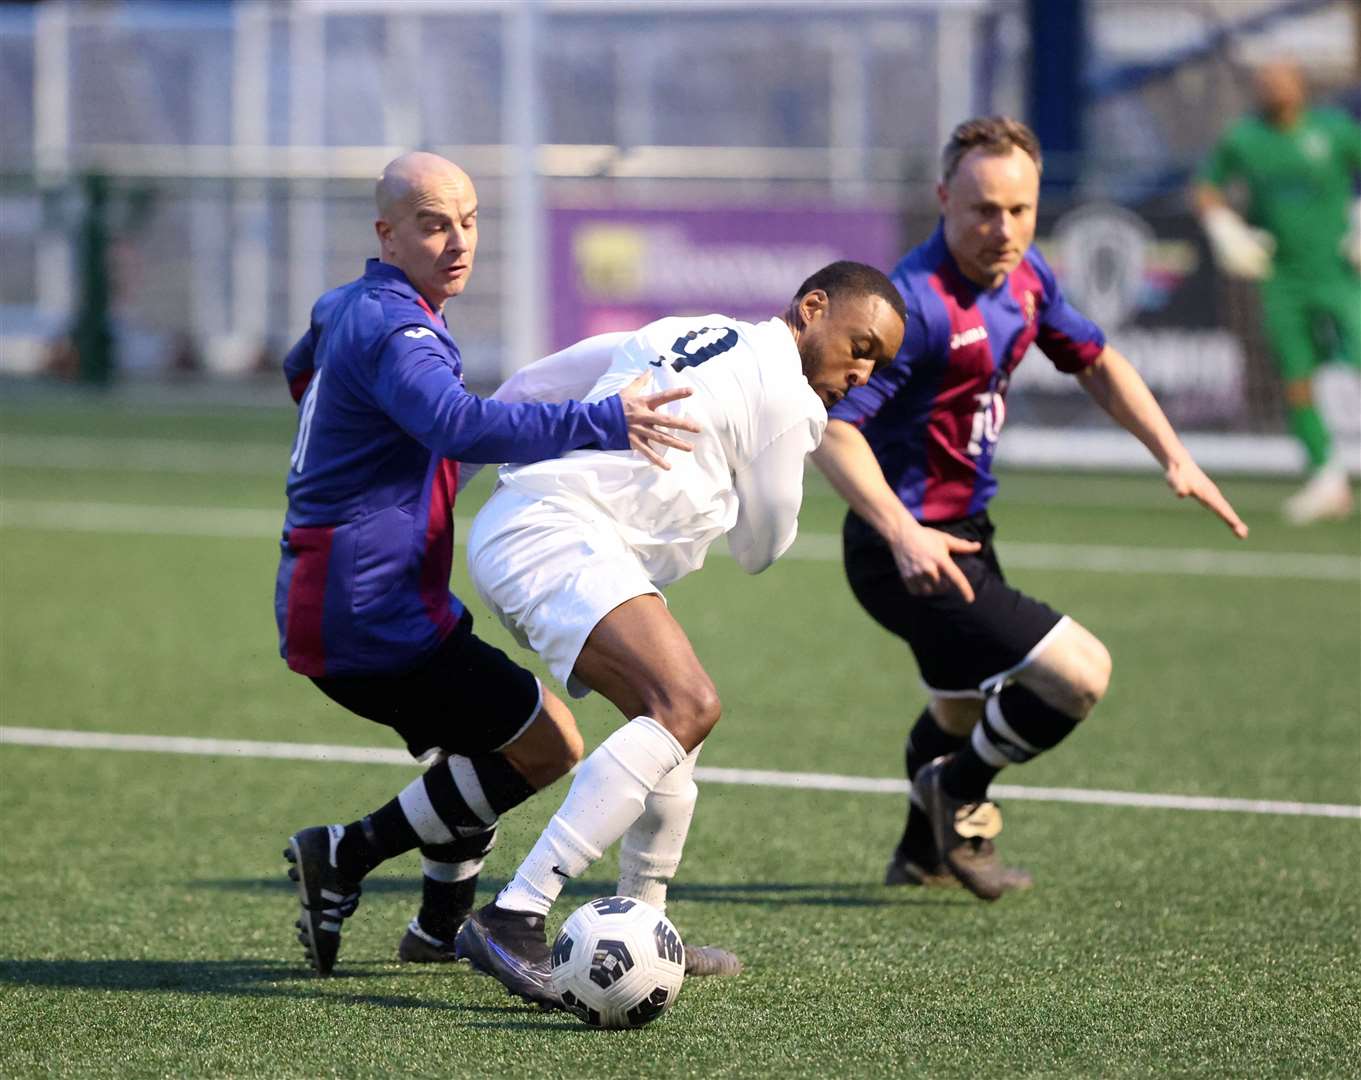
(1028,307)
(418,332)
(1315,145)
(968,337)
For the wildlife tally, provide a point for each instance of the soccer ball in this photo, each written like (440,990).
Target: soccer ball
(618,963)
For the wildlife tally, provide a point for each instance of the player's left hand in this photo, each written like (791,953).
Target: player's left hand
(646,426)
(1185,478)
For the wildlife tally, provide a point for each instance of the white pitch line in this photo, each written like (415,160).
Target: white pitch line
(229,523)
(260,458)
(873,785)
(1107,559)
(224,523)
(175,744)
(1124,488)
(143,455)
(249,748)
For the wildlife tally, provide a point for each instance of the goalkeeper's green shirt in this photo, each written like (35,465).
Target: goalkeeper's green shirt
(1300,183)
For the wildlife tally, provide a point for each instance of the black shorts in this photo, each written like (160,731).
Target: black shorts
(468,698)
(962,649)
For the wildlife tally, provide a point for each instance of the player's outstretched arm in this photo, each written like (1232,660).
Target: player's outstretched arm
(648,428)
(1239,250)
(418,389)
(1121,391)
(567,375)
(925,556)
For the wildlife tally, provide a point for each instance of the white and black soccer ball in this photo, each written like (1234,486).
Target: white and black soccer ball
(618,963)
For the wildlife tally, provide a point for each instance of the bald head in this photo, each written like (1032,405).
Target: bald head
(427,223)
(407,177)
(1280,90)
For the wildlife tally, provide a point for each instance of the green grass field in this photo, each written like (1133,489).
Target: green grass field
(146,925)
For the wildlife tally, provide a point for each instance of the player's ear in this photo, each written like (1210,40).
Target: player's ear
(941,196)
(383,231)
(813,305)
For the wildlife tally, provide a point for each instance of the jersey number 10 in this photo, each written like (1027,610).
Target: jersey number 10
(686,357)
(305,414)
(987,422)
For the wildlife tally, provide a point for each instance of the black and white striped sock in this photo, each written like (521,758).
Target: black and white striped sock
(1016,726)
(457,796)
(449,883)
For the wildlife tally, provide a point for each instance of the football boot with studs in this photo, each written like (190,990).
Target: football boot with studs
(325,898)
(964,830)
(418,947)
(706,960)
(511,947)
(934,874)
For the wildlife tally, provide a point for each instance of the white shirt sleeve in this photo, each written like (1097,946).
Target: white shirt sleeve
(769,493)
(568,375)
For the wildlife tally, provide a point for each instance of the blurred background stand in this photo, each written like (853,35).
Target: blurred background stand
(631,158)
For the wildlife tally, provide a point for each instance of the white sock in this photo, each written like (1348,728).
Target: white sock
(607,796)
(650,853)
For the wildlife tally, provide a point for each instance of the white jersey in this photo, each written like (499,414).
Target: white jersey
(759,420)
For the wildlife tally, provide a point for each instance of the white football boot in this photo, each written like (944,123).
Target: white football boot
(1327,496)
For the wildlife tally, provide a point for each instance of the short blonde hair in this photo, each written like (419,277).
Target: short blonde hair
(992,135)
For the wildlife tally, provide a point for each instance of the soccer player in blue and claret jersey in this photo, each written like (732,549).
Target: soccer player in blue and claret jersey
(362,598)
(911,452)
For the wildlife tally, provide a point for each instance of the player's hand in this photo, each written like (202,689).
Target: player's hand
(646,424)
(1238,249)
(925,559)
(1185,478)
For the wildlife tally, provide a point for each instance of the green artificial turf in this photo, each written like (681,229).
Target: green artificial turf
(146,925)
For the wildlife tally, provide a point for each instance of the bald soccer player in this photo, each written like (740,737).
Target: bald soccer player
(362,597)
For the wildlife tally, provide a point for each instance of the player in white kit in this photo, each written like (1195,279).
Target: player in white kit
(571,554)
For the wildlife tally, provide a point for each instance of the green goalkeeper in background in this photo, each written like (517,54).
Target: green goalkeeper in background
(1298,168)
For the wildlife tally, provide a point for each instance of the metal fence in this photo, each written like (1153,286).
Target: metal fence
(236,145)
(252,131)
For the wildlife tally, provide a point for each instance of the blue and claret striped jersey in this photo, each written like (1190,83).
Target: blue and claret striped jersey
(383,420)
(932,416)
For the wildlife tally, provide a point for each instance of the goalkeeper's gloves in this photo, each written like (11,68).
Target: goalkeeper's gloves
(1239,250)
(1351,243)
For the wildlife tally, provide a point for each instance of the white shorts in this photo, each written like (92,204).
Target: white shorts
(550,571)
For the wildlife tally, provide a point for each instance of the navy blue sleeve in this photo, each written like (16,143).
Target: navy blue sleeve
(417,387)
(863,402)
(1065,335)
(300,364)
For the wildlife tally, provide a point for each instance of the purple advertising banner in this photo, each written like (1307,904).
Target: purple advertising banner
(619,269)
